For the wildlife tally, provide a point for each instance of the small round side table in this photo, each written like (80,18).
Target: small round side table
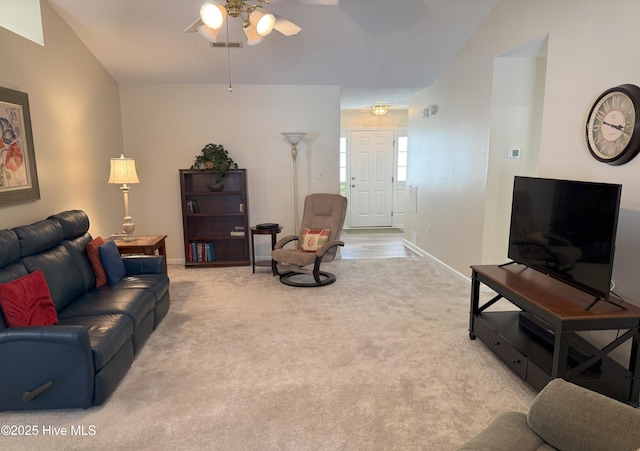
(255,231)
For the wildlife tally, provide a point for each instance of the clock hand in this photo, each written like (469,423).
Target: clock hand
(617,127)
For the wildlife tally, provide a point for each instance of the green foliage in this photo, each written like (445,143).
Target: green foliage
(218,157)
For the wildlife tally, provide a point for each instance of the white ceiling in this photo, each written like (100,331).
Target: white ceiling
(375,50)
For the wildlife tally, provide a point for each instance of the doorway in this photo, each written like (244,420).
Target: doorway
(372,176)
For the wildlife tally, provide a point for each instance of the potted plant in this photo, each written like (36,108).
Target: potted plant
(215,158)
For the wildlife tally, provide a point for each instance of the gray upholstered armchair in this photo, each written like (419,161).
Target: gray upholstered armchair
(317,241)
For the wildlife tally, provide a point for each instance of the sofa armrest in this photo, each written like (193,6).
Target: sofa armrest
(509,431)
(143,264)
(45,367)
(569,417)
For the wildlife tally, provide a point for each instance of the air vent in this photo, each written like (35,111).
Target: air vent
(232,45)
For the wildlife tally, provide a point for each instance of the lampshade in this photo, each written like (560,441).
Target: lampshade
(123,171)
(213,15)
(264,23)
(379,110)
(293,137)
(253,37)
(208,33)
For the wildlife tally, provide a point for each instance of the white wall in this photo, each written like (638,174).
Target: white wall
(165,126)
(75,115)
(449,153)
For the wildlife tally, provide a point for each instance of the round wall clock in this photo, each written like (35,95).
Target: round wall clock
(613,125)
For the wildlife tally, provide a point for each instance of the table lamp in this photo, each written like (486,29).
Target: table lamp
(123,171)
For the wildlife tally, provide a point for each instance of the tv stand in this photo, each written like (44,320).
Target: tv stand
(599,299)
(553,348)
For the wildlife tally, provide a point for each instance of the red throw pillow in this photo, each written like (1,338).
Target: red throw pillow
(312,239)
(27,302)
(94,259)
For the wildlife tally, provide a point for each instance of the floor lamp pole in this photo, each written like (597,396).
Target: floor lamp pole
(294,156)
(294,138)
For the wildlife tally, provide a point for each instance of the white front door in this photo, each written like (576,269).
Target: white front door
(371,181)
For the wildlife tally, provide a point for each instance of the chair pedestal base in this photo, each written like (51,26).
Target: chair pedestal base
(321,278)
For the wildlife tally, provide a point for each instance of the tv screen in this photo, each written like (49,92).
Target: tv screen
(566,229)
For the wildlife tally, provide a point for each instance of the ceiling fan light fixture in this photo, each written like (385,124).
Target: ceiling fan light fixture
(213,15)
(264,23)
(253,37)
(208,33)
(379,110)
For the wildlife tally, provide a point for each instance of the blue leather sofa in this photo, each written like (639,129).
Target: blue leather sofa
(80,361)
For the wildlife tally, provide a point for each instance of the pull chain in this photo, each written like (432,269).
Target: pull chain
(229,59)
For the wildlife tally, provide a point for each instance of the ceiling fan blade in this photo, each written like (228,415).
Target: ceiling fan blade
(286,27)
(193,28)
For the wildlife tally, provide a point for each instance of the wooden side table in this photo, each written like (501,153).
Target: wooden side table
(255,231)
(147,245)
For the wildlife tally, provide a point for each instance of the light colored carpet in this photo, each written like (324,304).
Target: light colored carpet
(380,360)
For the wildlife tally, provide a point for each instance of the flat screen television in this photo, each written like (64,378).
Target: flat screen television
(566,229)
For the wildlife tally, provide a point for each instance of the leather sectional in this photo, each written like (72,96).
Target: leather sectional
(79,361)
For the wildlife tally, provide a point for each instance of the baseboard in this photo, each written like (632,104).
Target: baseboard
(458,275)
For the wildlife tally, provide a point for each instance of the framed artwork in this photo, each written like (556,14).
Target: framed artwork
(18,175)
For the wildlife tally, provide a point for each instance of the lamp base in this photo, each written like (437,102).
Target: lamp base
(128,227)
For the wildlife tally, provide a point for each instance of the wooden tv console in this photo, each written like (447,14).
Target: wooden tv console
(539,339)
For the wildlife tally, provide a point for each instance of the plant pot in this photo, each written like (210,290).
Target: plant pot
(215,187)
(208,164)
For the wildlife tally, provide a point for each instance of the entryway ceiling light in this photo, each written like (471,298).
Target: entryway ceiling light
(379,110)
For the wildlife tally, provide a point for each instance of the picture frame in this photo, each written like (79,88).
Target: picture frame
(18,172)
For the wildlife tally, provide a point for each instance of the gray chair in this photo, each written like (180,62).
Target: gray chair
(321,212)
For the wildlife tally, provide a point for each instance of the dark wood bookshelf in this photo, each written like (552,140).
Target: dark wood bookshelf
(210,217)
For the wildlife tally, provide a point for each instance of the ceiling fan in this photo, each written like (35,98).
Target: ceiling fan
(256,23)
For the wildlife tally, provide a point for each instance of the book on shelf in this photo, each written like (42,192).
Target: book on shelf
(202,251)
(237,233)
(193,206)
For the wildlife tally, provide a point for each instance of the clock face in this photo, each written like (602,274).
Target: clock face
(612,125)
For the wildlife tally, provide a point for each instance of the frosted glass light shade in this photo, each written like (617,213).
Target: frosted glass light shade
(264,23)
(379,110)
(294,137)
(208,33)
(213,15)
(253,37)
(123,171)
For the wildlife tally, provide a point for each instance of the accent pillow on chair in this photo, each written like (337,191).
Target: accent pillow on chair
(94,259)
(112,262)
(313,239)
(27,301)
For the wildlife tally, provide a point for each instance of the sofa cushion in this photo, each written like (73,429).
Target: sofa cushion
(27,302)
(77,247)
(158,284)
(9,248)
(569,417)
(111,262)
(38,237)
(65,283)
(74,223)
(94,259)
(509,430)
(136,304)
(107,334)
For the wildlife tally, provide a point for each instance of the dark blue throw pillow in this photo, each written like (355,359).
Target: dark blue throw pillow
(111,262)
